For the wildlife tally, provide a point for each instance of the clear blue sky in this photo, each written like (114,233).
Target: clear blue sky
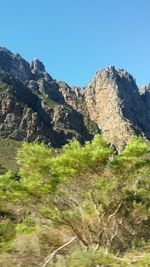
(75,38)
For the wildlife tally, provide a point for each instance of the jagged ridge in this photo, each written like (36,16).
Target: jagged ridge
(34,106)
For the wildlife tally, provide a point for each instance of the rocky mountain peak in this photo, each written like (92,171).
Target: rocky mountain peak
(144,89)
(15,65)
(38,70)
(115,104)
(114,76)
(5,50)
(34,106)
(37,66)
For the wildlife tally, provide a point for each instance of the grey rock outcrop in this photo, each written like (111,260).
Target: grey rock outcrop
(38,70)
(15,65)
(145,95)
(34,106)
(37,66)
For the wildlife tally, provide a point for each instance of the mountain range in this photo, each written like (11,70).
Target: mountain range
(36,107)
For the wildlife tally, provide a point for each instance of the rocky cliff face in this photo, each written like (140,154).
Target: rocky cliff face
(115,104)
(15,65)
(34,106)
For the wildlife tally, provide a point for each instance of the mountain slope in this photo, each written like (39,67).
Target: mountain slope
(32,106)
(35,107)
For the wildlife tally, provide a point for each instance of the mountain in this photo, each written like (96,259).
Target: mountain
(116,104)
(33,106)
(36,107)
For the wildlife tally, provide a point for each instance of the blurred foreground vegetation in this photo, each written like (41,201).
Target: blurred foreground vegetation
(89,197)
(8,150)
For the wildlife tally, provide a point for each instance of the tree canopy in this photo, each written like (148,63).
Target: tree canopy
(90,192)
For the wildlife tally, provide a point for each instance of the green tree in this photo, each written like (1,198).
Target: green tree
(85,191)
(101,197)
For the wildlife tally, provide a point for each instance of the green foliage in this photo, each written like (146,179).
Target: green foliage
(91,258)
(77,160)
(50,102)
(91,125)
(7,232)
(2,170)
(134,157)
(35,167)
(27,226)
(87,191)
(88,258)
(9,187)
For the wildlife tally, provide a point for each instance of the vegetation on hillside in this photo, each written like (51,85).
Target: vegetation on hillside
(86,206)
(8,151)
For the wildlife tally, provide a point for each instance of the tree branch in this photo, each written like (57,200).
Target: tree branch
(50,257)
(114,213)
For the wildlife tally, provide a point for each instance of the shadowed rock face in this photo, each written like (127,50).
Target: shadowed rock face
(145,95)
(15,65)
(34,106)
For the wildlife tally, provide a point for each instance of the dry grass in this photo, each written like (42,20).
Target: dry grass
(8,150)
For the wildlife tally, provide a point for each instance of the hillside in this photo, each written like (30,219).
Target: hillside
(74,168)
(36,107)
(8,150)
(33,105)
